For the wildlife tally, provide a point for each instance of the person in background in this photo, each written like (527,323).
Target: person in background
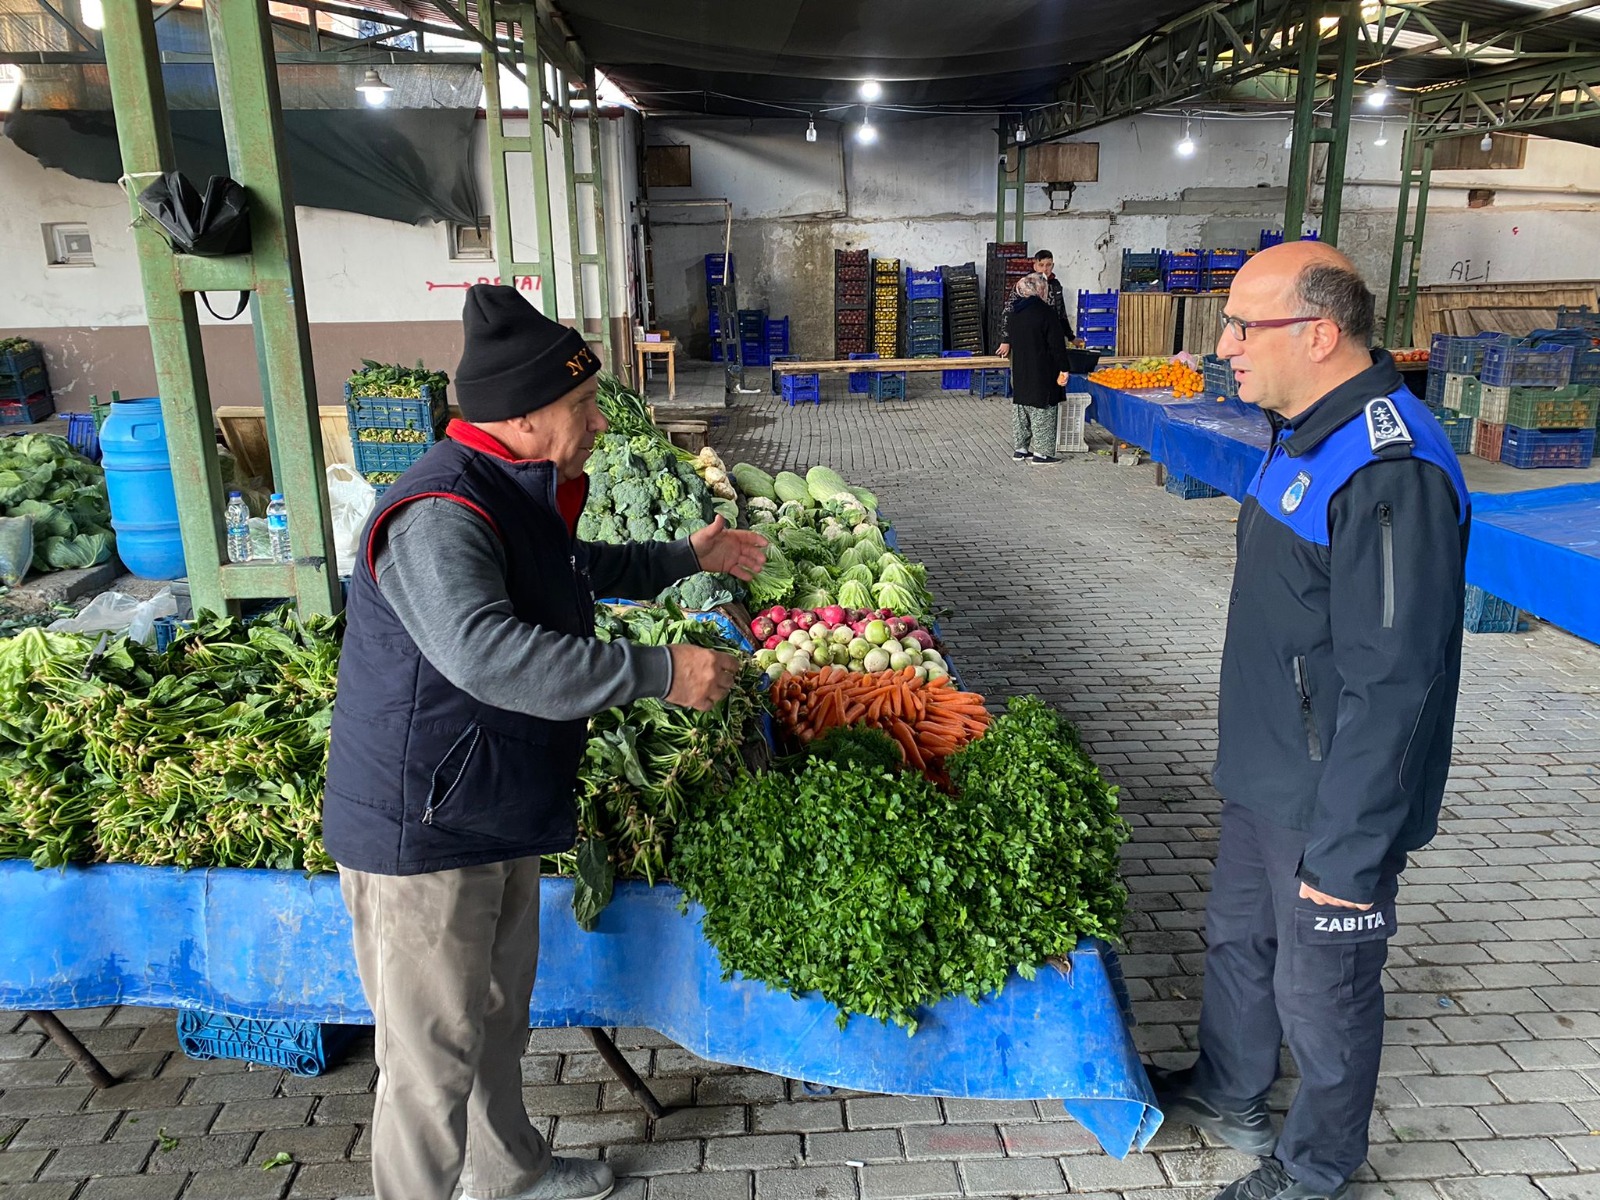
(1038,371)
(1340,673)
(469,672)
(1044,263)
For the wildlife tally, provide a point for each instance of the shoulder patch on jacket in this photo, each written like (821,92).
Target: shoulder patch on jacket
(1385,426)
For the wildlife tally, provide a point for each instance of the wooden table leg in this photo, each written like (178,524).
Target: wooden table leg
(672,374)
(638,359)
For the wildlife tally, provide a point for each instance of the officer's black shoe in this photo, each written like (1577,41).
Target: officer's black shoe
(1270,1181)
(1249,1132)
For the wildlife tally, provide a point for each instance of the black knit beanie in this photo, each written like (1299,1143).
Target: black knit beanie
(516,359)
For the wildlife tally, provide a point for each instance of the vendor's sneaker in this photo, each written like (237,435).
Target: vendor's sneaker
(569,1179)
(1249,1131)
(1020,455)
(1045,460)
(1270,1181)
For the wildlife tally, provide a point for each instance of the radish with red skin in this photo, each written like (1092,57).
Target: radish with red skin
(763,628)
(785,628)
(772,642)
(776,613)
(805,620)
(833,614)
(921,637)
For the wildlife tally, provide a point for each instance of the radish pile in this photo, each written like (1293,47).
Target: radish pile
(797,641)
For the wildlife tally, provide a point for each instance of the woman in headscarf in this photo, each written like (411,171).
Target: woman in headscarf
(1038,370)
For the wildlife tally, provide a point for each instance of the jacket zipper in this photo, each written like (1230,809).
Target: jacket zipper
(1386,529)
(1307,717)
(476,733)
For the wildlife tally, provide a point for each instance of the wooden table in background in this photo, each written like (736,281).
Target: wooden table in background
(670,349)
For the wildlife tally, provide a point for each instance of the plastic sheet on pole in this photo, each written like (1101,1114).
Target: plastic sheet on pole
(276,944)
(1540,551)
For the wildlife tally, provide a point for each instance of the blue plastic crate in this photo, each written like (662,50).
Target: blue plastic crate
(1488,614)
(955,380)
(778,335)
(1434,397)
(715,275)
(861,380)
(1458,429)
(925,310)
(16,362)
(924,285)
(889,385)
(302,1047)
(1530,448)
(992,381)
(1141,270)
(428,414)
(82,435)
(1091,302)
(1218,376)
(798,389)
(1455,355)
(371,456)
(166,631)
(1269,238)
(1225,260)
(1187,487)
(1586,365)
(777,378)
(1518,365)
(1578,318)
(32,381)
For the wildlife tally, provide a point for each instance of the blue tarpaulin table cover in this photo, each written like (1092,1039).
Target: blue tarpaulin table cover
(276,945)
(1540,551)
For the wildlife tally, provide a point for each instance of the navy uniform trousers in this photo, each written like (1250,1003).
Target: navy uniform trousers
(1282,969)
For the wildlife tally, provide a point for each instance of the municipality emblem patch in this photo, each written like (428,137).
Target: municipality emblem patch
(1294,493)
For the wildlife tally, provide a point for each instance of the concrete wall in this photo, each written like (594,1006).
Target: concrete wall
(925,193)
(374,288)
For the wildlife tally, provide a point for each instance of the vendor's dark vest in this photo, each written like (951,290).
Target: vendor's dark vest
(422,777)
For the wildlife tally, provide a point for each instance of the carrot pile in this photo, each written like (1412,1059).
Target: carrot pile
(1184,381)
(927,720)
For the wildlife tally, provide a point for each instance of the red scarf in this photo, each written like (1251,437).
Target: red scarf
(570,494)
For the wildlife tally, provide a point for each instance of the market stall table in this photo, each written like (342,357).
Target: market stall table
(238,950)
(1540,551)
(669,347)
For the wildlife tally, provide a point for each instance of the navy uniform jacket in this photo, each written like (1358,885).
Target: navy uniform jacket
(1343,654)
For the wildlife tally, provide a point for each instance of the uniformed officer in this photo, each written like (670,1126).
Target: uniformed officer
(1338,696)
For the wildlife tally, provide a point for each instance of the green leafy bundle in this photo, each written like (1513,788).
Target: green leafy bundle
(212,753)
(647,764)
(884,894)
(376,379)
(44,478)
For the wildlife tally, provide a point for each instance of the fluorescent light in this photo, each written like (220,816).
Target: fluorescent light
(871,89)
(1379,95)
(373,89)
(93,13)
(811,131)
(1383,134)
(868,133)
(10,87)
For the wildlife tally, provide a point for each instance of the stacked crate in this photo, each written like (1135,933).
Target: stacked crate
(753,350)
(963,309)
(1528,410)
(777,338)
(1097,321)
(1269,238)
(1219,267)
(1219,378)
(390,433)
(1181,270)
(716,277)
(924,313)
(886,306)
(1002,276)
(851,302)
(1141,271)
(1451,355)
(24,385)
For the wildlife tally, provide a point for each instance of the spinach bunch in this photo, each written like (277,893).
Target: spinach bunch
(377,379)
(885,894)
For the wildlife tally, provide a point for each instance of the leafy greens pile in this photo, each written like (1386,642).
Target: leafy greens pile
(379,380)
(885,894)
(44,478)
(212,753)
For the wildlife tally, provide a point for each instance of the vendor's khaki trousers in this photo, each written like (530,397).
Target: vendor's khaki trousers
(447,963)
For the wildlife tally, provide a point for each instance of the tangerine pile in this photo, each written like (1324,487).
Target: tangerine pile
(1184,381)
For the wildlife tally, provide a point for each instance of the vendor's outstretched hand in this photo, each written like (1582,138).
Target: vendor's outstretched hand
(723,550)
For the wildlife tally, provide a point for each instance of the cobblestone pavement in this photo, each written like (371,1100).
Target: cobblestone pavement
(1089,585)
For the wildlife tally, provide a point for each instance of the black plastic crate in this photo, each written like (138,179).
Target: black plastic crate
(27,412)
(15,362)
(29,382)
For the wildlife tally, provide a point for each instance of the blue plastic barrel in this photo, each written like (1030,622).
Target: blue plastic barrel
(144,507)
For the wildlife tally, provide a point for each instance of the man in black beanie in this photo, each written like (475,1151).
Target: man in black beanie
(468,676)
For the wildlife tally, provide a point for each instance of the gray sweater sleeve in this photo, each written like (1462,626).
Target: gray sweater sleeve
(639,570)
(443,570)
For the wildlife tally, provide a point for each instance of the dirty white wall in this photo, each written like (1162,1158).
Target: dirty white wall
(925,193)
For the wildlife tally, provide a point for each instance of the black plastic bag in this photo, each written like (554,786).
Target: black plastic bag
(211,226)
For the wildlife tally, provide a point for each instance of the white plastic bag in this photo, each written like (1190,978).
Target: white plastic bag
(16,549)
(117,612)
(351,499)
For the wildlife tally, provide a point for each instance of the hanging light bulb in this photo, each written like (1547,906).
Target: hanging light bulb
(811,130)
(871,89)
(1021,133)
(1379,95)
(1186,147)
(868,133)
(373,89)
(93,13)
(1383,134)
(1487,144)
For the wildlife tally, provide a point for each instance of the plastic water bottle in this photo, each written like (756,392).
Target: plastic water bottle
(238,518)
(278,529)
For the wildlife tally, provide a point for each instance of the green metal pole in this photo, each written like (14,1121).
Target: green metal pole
(252,121)
(597,178)
(1343,87)
(567,127)
(1021,187)
(499,185)
(1414,274)
(1305,94)
(533,68)
(139,100)
(1391,311)
(1000,193)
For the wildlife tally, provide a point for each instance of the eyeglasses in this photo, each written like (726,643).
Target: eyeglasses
(1238,326)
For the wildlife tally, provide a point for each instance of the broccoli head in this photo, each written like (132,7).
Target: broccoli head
(670,489)
(633,498)
(641,529)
